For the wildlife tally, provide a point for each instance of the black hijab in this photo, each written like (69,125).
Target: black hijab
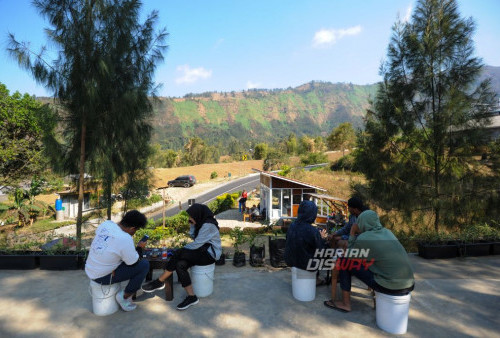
(201,215)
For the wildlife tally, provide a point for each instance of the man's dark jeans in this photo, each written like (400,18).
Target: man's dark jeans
(134,273)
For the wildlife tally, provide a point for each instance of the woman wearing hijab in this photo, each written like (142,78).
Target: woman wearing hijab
(204,250)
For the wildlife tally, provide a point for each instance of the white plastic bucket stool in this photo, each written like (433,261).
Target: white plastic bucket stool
(103,298)
(303,284)
(392,312)
(202,278)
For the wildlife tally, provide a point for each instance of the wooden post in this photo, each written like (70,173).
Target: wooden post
(169,288)
(163,193)
(180,205)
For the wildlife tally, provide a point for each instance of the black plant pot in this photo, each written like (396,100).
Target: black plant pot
(475,249)
(239,259)
(433,251)
(277,252)
(18,261)
(61,262)
(221,260)
(257,255)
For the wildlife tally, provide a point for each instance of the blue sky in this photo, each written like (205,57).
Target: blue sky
(225,45)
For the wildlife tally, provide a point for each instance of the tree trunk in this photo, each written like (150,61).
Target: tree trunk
(108,192)
(79,218)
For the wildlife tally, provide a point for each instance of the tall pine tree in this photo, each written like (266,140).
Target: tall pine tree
(427,118)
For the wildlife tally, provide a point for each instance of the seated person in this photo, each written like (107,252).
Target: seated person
(113,257)
(204,250)
(303,239)
(340,237)
(391,272)
(254,213)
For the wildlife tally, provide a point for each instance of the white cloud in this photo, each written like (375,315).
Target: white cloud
(192,75)
(407,16)
(252,85)
(326,37)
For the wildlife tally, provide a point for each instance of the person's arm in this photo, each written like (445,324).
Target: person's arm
(128,253)
(206,233)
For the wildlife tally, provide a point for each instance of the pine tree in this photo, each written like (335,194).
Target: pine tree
(420,137)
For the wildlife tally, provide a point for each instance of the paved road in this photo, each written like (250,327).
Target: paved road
(248,183)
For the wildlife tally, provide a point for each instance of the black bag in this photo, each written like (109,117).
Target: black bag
(257,255)
(277,252)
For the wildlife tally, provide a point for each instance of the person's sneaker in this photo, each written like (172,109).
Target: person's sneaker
(153,286)
(125,304)
(190,300)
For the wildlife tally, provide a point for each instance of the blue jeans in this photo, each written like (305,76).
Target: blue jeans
(242,205)
(135,274)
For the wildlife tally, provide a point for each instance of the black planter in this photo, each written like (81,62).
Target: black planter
(18,261)
(221,260)
(433,251)
(239,259)
(495,248)
(277,252)
(61,262)
(257,255)
(475,249)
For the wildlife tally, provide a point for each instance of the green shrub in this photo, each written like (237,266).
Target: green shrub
(213,175)
(154,199)
(223,202)
(238,238)
(347,162)
(179,222)
(314,158)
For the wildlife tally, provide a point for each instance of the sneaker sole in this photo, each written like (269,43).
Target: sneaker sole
(149,291)
(185,307)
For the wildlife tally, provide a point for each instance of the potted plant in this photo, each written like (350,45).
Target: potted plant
(277,250)
(433,245)
(18,259)
(239,258)
(222,259)
(257,250)
(475,240)
(61,254)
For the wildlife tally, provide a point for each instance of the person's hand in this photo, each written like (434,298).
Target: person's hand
(141,244)
(323,234)
(355,230)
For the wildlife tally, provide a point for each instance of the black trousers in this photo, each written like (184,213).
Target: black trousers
(183,259)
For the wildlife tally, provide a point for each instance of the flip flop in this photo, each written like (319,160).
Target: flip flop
(331,305)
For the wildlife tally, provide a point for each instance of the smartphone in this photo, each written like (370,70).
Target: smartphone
(144,239)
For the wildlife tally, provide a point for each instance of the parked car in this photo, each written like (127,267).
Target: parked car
(185,181)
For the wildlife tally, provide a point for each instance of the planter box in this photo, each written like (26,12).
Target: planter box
(18,261)
(61,262)
(434,251)
(495,248)
(475,249)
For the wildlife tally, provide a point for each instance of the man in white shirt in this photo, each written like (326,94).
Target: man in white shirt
(113,258)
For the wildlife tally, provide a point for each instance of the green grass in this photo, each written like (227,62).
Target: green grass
(44,225)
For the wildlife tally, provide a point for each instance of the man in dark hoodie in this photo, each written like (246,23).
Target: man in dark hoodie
(302,239)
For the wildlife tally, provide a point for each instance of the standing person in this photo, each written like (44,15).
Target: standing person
(242,201)
(390,273)
(204,250)
(113,257)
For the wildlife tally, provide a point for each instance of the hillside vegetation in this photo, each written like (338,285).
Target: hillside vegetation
(314,108)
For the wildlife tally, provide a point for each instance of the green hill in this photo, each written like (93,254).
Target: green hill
(314,108)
